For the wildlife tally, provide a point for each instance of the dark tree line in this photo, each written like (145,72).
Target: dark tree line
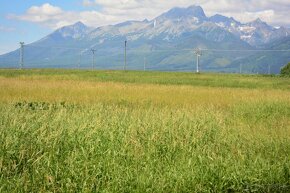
(286,69)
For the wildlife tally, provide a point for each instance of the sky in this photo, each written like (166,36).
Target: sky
(31,20)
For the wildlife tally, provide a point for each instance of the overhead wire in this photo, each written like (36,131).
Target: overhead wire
(171,50)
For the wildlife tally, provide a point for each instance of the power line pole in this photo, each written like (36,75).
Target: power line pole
(21,61)
(80,60)
(144,63)
(93,62)
(198,53)
(125,56)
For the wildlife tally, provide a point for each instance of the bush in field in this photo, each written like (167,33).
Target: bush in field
(286,69)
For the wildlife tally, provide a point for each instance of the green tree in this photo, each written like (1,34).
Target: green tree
(286,69)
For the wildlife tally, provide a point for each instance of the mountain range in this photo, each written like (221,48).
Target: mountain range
(166,42)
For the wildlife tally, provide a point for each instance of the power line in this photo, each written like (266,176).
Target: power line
(86,51)
(165,50)
(245,50)
(57,47)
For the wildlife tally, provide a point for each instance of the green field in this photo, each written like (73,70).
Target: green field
(113,131)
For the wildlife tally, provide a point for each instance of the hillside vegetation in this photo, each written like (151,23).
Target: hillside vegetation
(286,70)
(113,131)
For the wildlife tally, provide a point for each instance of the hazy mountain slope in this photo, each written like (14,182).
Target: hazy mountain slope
(164,43)
(265,61)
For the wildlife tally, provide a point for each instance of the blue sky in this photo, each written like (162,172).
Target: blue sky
(12,31)
(31,20)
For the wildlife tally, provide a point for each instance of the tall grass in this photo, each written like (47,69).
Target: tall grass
(164,78)
(73,135)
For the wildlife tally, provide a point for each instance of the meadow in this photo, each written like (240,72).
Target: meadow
(114,131)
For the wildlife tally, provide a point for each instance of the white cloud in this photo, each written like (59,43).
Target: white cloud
(6,29)
(45,9)
(88,3)
(275,12)
(54,17)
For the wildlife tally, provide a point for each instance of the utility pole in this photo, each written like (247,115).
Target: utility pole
(93,62)
(21,61)
(269,69)
(198,53)
(144,63)
(125,56)
(80,60)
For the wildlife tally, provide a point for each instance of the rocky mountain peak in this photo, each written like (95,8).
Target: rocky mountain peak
(181,13)
(258,23)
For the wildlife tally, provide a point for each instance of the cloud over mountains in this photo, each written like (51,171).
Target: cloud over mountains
(104,12)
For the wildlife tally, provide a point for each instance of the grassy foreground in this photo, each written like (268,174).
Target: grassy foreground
(110,131)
